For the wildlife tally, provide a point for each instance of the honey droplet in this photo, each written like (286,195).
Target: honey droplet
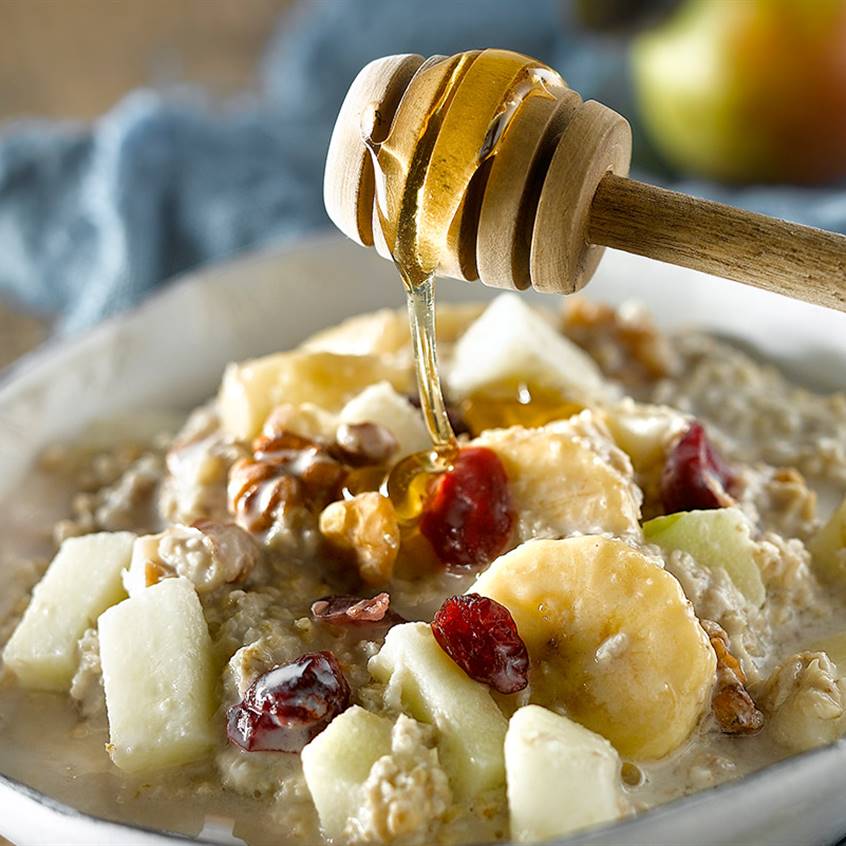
(410,480)
(515,404)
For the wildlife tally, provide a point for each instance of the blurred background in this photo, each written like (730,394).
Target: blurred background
(142,138)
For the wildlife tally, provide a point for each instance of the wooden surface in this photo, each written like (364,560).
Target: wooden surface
(801,262)
(76,58)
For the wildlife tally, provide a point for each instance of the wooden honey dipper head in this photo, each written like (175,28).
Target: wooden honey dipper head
(485,165)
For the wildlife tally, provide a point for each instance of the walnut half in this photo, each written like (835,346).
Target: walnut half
(366,529)
(734,709)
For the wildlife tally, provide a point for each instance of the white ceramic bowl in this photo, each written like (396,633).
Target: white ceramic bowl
(171,351)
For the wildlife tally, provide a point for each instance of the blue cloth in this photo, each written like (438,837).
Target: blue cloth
(92,218)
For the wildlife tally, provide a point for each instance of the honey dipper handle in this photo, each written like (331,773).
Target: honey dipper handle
(799,261)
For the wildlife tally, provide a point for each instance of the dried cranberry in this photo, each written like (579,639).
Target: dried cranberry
(695,476)
(480,635)
(289,705)
(468,517)
(347,610)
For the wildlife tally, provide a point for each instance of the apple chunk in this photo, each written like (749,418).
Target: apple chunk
(561,776)
(512,342)
(82,581)
(718,537)
(828,546)
(158,674)
(433,689)
(337,762)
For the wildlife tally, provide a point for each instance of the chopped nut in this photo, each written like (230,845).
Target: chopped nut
(365,443)
(733,707)
(623,341)
(208,554)
(365,527)
(805,700)
(260,492)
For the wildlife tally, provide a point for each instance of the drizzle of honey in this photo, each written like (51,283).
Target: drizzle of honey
(515,404)
(451,119)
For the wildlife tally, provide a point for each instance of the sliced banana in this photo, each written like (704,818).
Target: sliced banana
(613,641)
(386,331)
(567,477)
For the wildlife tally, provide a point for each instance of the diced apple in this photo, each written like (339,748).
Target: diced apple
(643,431)
(828,546)
(719,537)
(381,404)
(561,776)
(433,689)
(511,342)
(337,763)
(144,551)
(252,389)
(158,674)
(82,581)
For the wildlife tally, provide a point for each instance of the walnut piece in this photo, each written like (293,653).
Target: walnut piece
(208,554)
(805,700)
(623,341)
(286,477)
(365,443)
(733,707)
(365,528)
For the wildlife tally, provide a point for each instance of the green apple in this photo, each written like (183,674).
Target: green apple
(338,761)
(82,581)
(433,689)
(747,90)
(828,546)
(561,776)
(159,678)
(716,538)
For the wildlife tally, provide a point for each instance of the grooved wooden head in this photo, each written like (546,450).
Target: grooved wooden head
(515,218)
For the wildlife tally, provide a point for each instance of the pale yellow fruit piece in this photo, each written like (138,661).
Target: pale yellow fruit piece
(718,537)
(427,684)
(386,331)
(381,404)
(612,639)
(82,581)
(645,432)
(159,678)
(828,547)
(252,389)
(567,477)
(337,762)
(512,342)
(561,776)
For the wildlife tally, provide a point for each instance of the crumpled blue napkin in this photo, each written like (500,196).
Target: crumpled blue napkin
(92,218)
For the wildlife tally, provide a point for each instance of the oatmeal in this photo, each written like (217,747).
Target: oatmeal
(621,588)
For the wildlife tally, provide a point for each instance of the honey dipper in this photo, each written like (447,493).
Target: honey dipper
(505,175)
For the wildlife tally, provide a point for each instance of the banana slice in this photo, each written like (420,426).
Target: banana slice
(613,640)
(567,477)
(252,389)
(386,331)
